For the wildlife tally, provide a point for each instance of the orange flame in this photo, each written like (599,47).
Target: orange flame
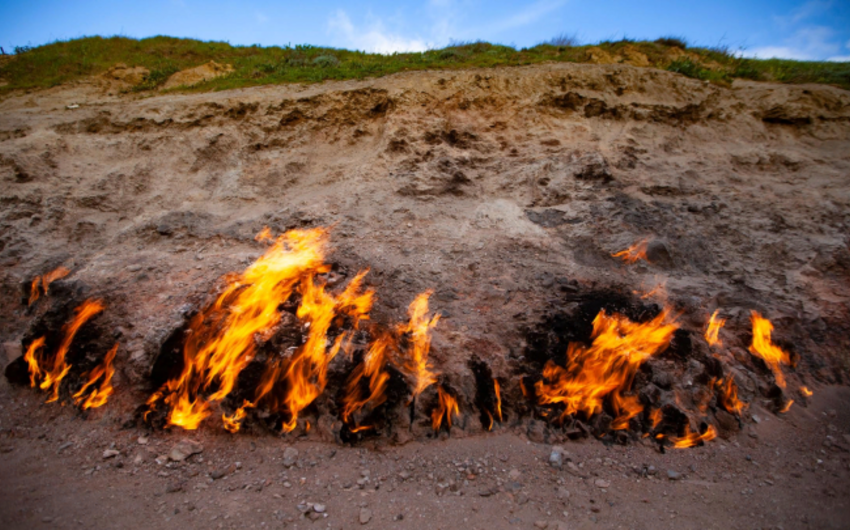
(498,392)
(728,396)
(712,332)
(655,417)
(417,367)
(446,408)
(373,368)
(98,396)
(806,392)
(606,368)
(787,406)
(32,360)
(633,253)
(60,369)
(764,347)
(265,236)
(43,282)
(691,439)
(306,373)
(234,422)
(224,336)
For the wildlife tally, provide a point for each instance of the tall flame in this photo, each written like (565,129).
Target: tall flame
(31,358)
(53,378)
(447,407)
(498,391)
(373,368)
(712,332)
(633,253)
(41,283)
(606,368)
(419,327)
(98,396)
(764,347)
(223,337)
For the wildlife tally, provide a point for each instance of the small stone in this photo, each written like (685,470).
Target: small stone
(290,456)
(404,475)
(514,474)
(555,459)
(319,508)
(485,492)
(673,475)
(174,487)
(543,525)
(184,449)
(563,493)
(365,515)
(600,483)
(143,440)
(110,453)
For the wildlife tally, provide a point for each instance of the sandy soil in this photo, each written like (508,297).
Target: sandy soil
(501,190)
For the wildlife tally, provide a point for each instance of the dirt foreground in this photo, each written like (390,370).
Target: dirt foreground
(504,192)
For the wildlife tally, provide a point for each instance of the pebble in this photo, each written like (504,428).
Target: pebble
(110,453)
(365,515)
(543,525)
(184,449)
(600,483)
(319,508)
(555,458)
(290,456)
(673,475)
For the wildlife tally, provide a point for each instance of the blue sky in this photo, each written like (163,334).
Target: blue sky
(813,29)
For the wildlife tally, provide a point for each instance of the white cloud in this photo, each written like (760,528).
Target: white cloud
(809,43)
(374,39)
(840,59)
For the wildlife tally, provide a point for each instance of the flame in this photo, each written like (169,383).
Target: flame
(728,396)
(806,392)
(224,336)
(713,330)
(633,253)
(787,406)
(763,347)
(446,407)
(655,417)
(265,236)
(98,396)
(490,420)
(32,360)
(417,366)
(60,369)
(306,373)
(691,439)
(234,422)
(44,282)
(497,390)
(607,367)
(372,367)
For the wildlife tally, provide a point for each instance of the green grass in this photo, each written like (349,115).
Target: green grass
(61,62)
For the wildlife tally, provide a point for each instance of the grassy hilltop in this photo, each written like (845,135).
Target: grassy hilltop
(61,62)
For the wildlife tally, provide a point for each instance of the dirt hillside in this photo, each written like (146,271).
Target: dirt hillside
(505,191)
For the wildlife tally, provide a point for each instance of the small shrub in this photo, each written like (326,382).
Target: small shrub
(747,70)
(155,78)
(449,54)
(563,40)
(694,70)
(672,42)
(326,61)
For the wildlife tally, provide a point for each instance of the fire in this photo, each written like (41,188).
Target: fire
(306,373)
(728,396)
(763,347)
(98,396)
(606,368)
(373,368)
(41,283)
(224,337)
(446,408)
(498,391)
(32,360)
(234,422)
(655,417)
(417,366)
(633,253)
(53,378)
(713,330)
(806,392)
(691,439)
(787,406)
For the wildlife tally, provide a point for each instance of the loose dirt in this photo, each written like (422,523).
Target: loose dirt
(501,190)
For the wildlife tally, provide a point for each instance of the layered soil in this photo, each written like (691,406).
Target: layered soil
(505,191)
